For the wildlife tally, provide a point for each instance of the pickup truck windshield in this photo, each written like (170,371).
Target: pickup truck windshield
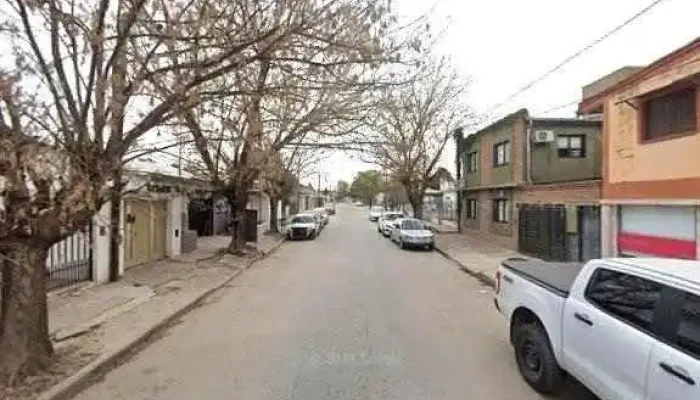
(303,220)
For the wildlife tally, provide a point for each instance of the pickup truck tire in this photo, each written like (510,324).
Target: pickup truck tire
(536,360)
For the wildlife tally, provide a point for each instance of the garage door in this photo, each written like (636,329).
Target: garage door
(145,231)
(657,231)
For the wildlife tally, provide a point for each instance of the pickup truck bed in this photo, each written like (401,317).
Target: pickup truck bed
(555,276)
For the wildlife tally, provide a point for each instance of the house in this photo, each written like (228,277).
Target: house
(543,170)
(651,169)
(440,200)
(490,162)
(152,223)
(558,206)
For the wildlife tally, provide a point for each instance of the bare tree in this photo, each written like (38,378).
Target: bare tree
(413,124)
(313,83)
(89,79)
(281,176)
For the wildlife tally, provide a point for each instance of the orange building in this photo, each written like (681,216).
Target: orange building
(651,156)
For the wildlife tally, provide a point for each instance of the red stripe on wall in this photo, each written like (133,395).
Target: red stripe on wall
(656,246)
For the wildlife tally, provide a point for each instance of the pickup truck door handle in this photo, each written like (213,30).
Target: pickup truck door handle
(678,372)
(583,318)
(507,279)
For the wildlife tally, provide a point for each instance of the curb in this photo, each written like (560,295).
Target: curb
(482,277)
(98,368)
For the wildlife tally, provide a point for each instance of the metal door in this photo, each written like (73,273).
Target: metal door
(137,233)
(590,232)
(159,218)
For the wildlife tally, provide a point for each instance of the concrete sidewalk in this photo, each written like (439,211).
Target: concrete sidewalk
(443,226)
(474,254)
(103,323)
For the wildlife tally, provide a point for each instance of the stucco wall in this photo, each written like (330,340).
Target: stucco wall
(547,166)
(628,158)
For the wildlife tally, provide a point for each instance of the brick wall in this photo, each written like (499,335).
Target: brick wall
(517,149)
(564,193)
(503,234)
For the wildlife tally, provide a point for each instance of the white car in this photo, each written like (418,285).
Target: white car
(411,232)
(627,328)
(303,226)
(386,222)
(325,218)
(375,212)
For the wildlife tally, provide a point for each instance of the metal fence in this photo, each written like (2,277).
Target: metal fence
(431,212)
(70,261)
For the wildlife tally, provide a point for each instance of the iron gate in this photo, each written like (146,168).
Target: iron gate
(542,231)
(70,261)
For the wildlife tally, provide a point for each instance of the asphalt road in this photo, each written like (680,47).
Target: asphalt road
(346,316)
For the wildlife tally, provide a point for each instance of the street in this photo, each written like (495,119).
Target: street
(346,316)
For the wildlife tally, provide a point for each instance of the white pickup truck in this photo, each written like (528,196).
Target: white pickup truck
(627,328)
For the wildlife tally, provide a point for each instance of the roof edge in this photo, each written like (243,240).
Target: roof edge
(591,102)
(520,113)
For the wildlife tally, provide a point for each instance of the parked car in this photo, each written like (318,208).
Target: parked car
(627,328)
(303,226)
(386,222)
(411,232)
(323,215)
(330,208)
(375,212)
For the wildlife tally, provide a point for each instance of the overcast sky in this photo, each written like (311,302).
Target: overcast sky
(504,44)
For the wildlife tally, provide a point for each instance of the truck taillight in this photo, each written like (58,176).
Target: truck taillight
(497,281)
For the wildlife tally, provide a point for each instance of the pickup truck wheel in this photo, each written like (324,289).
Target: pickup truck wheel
(536,360)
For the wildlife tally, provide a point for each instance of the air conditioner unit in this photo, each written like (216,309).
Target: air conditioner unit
(543,136)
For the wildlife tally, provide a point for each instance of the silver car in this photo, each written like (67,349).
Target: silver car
(386,222)
(411,232)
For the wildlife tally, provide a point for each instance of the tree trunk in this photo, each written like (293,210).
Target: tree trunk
(115,199)
(238,202)
(25,345)
(416,201)
(274,228)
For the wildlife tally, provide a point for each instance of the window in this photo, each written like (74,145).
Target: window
(501,154)
(472,161)
(688,335)
(501,208)
(669,114)
(627,297)
(471,208)
(571,146)
(412,225)
(303,219)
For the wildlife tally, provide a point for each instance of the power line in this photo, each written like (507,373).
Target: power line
(577,54)
(559,107)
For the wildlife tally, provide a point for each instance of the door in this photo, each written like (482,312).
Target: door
(590,232)
(674,367)
(145,231)
(137,232)
(657,231)
(159,218)
(607,343)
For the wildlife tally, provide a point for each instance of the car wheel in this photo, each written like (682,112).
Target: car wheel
(535,359)
(431,247)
